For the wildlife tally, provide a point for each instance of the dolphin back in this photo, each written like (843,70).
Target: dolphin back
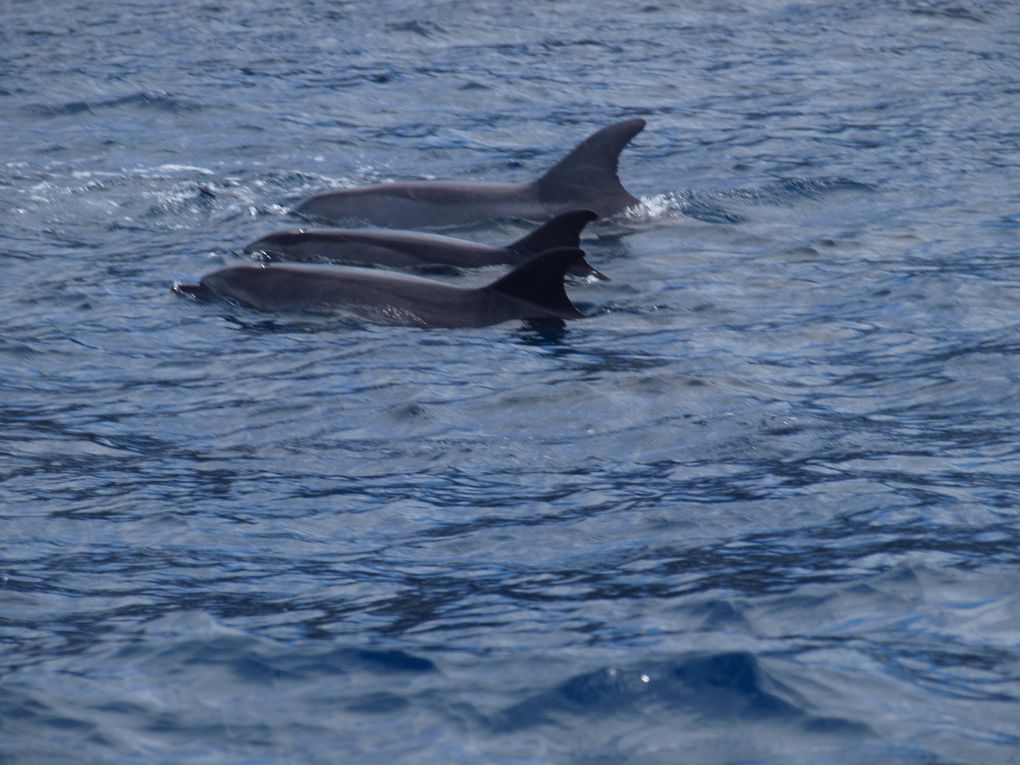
(539,282)
(588,175)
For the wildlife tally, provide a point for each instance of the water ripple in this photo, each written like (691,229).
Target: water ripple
(759,505)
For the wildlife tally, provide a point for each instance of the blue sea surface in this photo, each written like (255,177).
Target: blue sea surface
(761,506)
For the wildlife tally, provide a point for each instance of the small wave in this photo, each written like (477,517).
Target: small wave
(145,100)
(195,637)
(785,190)
(426,29)
(722,686)
(947,11)
(721,206)
(172,168)
(683,204)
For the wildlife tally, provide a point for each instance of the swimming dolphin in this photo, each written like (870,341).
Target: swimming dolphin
(584,179)
(407,249)
(533,290)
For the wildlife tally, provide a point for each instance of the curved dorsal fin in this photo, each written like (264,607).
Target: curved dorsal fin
(589,171)
(562,231)
(539,281)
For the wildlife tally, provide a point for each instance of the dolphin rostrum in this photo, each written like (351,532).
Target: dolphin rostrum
(408,249)
(533,290)
(584,179)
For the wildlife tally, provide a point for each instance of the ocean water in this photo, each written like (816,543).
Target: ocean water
(762,505)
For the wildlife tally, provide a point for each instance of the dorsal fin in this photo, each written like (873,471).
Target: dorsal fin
(539,281)
(589,171)
(562,231)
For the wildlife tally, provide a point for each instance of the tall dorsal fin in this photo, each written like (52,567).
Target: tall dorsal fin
(539,281)
(589,171)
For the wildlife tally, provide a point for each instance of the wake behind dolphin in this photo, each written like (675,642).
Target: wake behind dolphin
(585,179)
(409,249)
(533,290)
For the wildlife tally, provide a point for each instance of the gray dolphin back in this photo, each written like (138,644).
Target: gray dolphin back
(585,179)
(533,290)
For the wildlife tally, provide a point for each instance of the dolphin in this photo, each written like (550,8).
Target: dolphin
(532,290)
(584,179)
(407,249)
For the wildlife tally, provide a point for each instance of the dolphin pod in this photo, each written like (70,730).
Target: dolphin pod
(578,189)
(532,290)
(413,250)
(585,179)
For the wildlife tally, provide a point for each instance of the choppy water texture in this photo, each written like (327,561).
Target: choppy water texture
(760,507)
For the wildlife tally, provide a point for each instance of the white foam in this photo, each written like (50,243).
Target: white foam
(171,168)
(657,207)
